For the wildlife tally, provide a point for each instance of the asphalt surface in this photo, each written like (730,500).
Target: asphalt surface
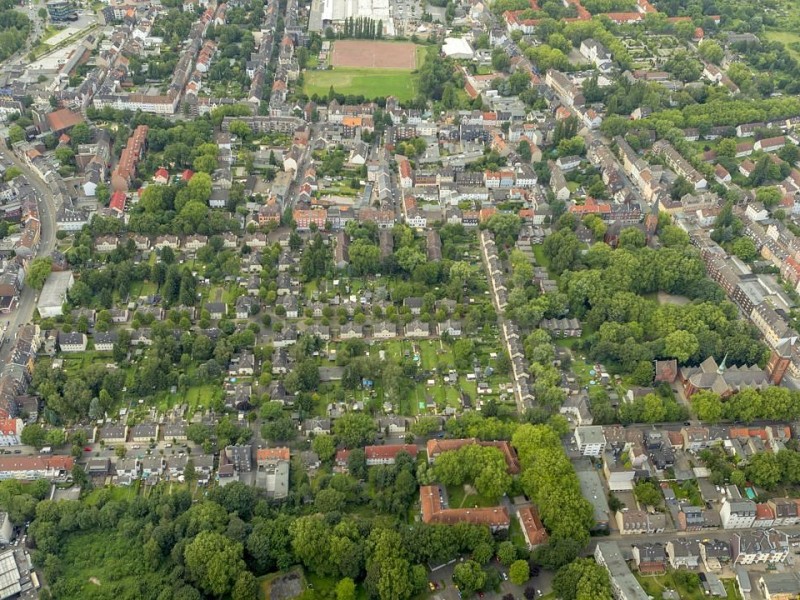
(47,213)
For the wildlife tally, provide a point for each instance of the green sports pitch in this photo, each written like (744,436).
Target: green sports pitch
(370,83)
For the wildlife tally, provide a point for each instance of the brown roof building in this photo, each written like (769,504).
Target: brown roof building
(264,454)
(532,528)
(62,120)
(386,455)
(433,511)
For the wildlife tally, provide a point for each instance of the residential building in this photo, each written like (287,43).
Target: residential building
(433,511)
(737,513)
(590,440)
(532,529)
(624,585)
(759,546)
(273,471)
(35,467)
(683,553)
(650,559)
(639,522)
(386,455)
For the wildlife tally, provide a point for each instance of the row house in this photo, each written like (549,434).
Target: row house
(679,164)
(304,218)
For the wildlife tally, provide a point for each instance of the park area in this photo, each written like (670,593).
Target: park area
(368,68)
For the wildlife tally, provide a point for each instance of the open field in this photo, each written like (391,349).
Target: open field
(370,83)
(369,68)
(786,38)
(374,54)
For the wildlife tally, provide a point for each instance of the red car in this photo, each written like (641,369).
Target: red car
(87,449)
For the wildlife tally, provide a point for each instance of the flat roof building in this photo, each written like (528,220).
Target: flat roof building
(54,294)
(623,584)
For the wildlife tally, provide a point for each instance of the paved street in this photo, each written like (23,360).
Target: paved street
(47,214)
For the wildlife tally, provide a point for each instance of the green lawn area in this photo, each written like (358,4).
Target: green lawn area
(786,38)
(541,259)
(118,493)
(323,587)
(655,586)
(199,397)
(688,491)
(458,498)
(371,83)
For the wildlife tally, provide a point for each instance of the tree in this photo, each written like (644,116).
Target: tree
(582,579)
(16,133)
(346,589)
(34,435)
(744,248)
(469,577)
(524,150)
(38,272)
(764,470)
(519,572)
(324,446)
(500,60)
(214,562)
(506,553)
(354,430)
(189,472)
(631,237)
(711,51)
(681,344)
(647,493)
(707,406)
(246,587)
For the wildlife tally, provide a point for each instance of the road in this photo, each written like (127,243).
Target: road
(47,213)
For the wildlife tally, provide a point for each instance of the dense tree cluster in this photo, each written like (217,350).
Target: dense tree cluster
(747,405)
(165,546)
(608,297)
(765,469)
(549,480)
(582,579)
(484,467)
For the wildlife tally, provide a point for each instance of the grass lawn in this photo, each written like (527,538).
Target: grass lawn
(786,38)
(688,491)
(199,397)
(118,493)
(371,83)
(656,586)
(458,498)
(541,259)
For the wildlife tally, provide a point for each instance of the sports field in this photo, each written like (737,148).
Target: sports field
(370,83)
(375,54)
(369,68)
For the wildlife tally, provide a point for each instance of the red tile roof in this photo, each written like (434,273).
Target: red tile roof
(117,202)
(388,451)
(432,511)
(61,120)
(272,454)
(35,463)
(532,524)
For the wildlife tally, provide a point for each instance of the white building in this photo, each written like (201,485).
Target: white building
(457,48)
(54,294)
(590,440)
(737,513)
